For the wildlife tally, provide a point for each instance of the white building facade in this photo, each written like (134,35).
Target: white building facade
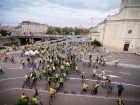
(28,27)
(122,30)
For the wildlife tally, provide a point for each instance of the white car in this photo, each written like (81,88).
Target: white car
(137,53)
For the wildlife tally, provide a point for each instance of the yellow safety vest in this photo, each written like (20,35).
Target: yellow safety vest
(85,86)
(103,73)
(96,85)
(51,91)
(35,100)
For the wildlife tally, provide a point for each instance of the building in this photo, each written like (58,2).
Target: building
(95,34)
(28,27)
(122,30)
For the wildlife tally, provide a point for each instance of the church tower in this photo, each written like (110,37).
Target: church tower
(129,3)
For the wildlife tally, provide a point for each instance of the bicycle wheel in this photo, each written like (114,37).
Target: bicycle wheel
(50,100)
(24,83)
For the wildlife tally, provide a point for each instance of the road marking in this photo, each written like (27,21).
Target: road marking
(11,78)
(124,73)
(68,94)
(75,79)
(102,70)
(114,76)
(16,68)
(104,81)
(124,65)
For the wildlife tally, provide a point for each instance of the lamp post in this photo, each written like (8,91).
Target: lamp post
(91,32)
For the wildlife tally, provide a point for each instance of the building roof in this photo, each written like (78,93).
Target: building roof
(32,23)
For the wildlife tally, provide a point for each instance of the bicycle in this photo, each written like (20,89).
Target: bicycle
(109,89)
(51,98)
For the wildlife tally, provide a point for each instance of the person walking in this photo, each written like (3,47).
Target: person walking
(120,89)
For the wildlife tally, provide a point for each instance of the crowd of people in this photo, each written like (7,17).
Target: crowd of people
(55,62)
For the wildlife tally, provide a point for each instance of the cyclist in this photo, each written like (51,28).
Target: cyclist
(49,80)
(52,91)
(103,74)
(104,61)
(93,73)
(35,100)
(24,100)
(108,86)
(1,70)
(22,63)
(107,81)
(84,86)
(95,87)
(57,85)
(12,59)
(83,76)
(61,81)
(96,65)
(117,62)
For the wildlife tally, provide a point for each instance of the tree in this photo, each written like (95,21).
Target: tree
(3,32)
(96,43)
(12,39)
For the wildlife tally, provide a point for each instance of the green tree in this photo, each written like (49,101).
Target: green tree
(96,43)
(12,39)
(3,32)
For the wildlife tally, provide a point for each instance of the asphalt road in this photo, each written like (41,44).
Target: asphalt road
(128,73)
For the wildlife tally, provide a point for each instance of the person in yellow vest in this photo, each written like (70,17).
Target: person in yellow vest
(93,73)
(34,100)
(96,65)
(103,73)
(1,68)
(57,85)
(104,61)
(52,91)
(24,98)
(96,86)
(84,86)
(76,68)
(22,62)
(120,101)
(116,62)
(61,81)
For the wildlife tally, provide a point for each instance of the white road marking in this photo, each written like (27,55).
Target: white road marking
(124,73)
(15,68)
(114,76)
(75,79)
(68,94)
(11,78)
(125,65)
(102,70)
(104,81)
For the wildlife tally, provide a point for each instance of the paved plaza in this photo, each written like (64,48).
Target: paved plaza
(127,73)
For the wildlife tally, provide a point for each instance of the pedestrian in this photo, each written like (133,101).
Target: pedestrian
(120,89)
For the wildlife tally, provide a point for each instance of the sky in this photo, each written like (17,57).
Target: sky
(70,13)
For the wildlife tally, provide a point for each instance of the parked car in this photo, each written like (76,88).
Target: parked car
(2,47)
(137,53)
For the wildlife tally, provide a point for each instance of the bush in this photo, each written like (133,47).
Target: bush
(96,43)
